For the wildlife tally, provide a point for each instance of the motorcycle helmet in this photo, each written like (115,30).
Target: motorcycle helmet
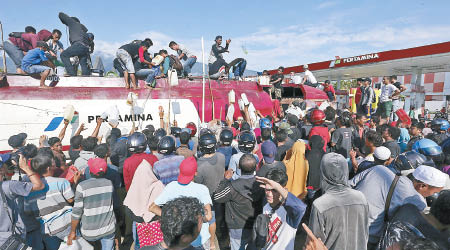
(159,133)
(166,145)
(265,123)
(427,147)
(207,143)
(137,142)
(226,137)
(317,117)
(409,160)
(246,142)
(193,128)
(439,124)
(175,131)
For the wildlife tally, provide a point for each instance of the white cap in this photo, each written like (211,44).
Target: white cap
(382,153)
(431,176)
(305,66)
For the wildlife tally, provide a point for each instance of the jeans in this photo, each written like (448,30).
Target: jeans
(145,73)
(395,107)
(241,239)
(80,50)
(240,68)
(156,72)
(107,242)
(187,65)
(35,69)
(14,53)
(135,236)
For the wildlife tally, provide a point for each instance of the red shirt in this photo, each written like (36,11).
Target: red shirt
(330,88)
(132,163)
(322,132)
(141,54)
(358,95)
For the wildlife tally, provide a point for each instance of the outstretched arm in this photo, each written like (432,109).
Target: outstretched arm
(97,128)
(63,130)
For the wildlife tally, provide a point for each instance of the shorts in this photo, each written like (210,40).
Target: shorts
(35,69)
(125,60)
(385,109)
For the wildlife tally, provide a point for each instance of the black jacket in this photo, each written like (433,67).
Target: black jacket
(243,201)
(77,31)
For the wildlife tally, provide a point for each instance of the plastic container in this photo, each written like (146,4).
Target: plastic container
(244,99)
(241,104)
(231,96)
(79,244)
(132,98)
(403,116)
(69,111)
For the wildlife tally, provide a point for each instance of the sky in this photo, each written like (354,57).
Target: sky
(267,33)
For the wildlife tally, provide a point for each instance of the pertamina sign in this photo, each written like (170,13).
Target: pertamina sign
(353,59)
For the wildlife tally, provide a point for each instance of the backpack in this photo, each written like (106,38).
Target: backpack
(175,63)
(261,231)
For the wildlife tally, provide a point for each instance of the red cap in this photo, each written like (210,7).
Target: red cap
(97,165)
(188,168)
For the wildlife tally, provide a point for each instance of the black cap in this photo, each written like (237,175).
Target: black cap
(367,79)
(16,141)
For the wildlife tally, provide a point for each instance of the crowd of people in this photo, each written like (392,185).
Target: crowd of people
(38,53)
(351,182)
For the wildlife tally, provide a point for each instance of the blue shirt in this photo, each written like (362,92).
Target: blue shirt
(403,139)
(33,57)
(175,190)
(228,152)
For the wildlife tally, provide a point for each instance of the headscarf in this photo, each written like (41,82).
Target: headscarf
(314,157)
(334,169)
(297,169)
(144,190)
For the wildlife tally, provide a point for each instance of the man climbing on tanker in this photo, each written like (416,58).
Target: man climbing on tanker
(80,45)
(218,67)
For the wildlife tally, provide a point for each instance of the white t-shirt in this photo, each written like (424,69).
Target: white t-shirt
(310,77)
(183,50)
(283,224)
(386,92)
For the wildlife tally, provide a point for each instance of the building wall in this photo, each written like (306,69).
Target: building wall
(434,86)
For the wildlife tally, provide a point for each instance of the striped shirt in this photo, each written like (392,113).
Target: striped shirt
(94,208)
(50,206)
(168,168)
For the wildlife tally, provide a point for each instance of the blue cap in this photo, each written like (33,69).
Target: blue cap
(4,158)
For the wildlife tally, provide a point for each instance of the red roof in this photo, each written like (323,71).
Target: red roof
(384,56)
